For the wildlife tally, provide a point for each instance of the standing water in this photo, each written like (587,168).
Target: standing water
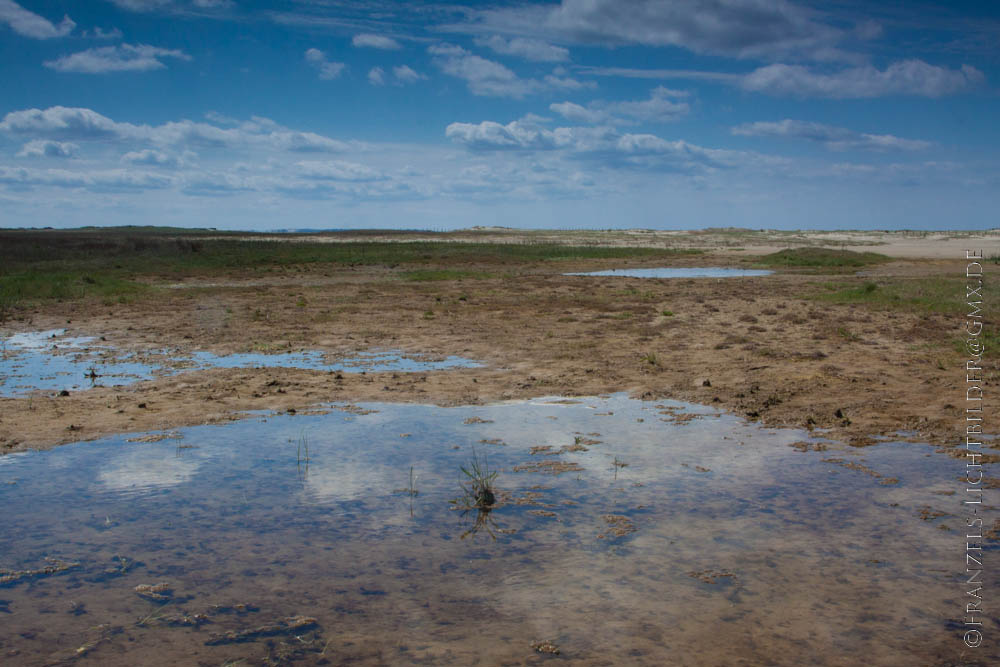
(624,532)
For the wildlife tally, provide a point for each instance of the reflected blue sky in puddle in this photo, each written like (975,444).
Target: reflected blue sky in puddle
(678,272)
(744,548)
(52,361)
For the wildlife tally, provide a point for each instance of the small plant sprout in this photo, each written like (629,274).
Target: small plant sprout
(410,490)
(302,456)
(618,465)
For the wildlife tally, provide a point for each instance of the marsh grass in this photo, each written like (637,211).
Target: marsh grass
(824,258)
(928,295)
(941,295)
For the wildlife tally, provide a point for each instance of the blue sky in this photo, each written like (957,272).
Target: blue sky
(668,114)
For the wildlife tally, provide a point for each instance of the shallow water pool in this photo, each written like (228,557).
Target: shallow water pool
(50,360)
(626,532)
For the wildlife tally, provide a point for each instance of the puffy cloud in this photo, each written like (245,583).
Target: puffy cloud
(375,42)
(327,69)
(835,138)
(99,180)
(484,77)
(64,122)
(405,74)
(529,49)
(602,144)
(559,82)
(905,77)
(79,124)
(101,33)
(151,157)
(376,76)
(740,28)
(48,148)
(29,24)
(337,170)
(660,107)
(153,5)
(579,114)
(118,58)
(488,78)
(517,135)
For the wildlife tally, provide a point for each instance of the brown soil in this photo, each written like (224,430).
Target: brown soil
(752,346)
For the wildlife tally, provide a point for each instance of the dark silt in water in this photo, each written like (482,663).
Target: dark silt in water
(671,535)
(49,360)
(689,272)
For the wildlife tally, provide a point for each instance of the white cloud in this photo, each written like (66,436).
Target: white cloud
(603,148)
(375,42)
(634,73)
(64,122)
(101,33)
(489,78)
(153,5)
(151,157)
(739,28)
(48,148)
(327,69)
(376,76)
(119,58)
(659,108)
(405,74)
(579,114)
(484,77)
(905,77)
(98,180)
(834,138)
(558,82)
(337,170)
(29,24)
(80,124)
(529,49)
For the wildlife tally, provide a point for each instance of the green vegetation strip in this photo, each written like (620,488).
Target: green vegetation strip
(945,295)
(106,263)
(820,258)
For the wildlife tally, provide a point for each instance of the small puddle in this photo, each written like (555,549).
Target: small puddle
(698,272)
(50,360)
(625,532)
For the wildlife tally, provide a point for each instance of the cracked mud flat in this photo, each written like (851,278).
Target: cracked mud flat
(243,545)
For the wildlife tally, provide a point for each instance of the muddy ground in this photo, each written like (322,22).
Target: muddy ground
(753,346)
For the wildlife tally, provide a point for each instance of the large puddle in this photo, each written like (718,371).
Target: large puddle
(690,272)
(50,360)
(627,532)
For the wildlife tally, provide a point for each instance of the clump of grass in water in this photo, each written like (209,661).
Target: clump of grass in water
(478,493)
(478,489)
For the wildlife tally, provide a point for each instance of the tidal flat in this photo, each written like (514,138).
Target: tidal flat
(691,470)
